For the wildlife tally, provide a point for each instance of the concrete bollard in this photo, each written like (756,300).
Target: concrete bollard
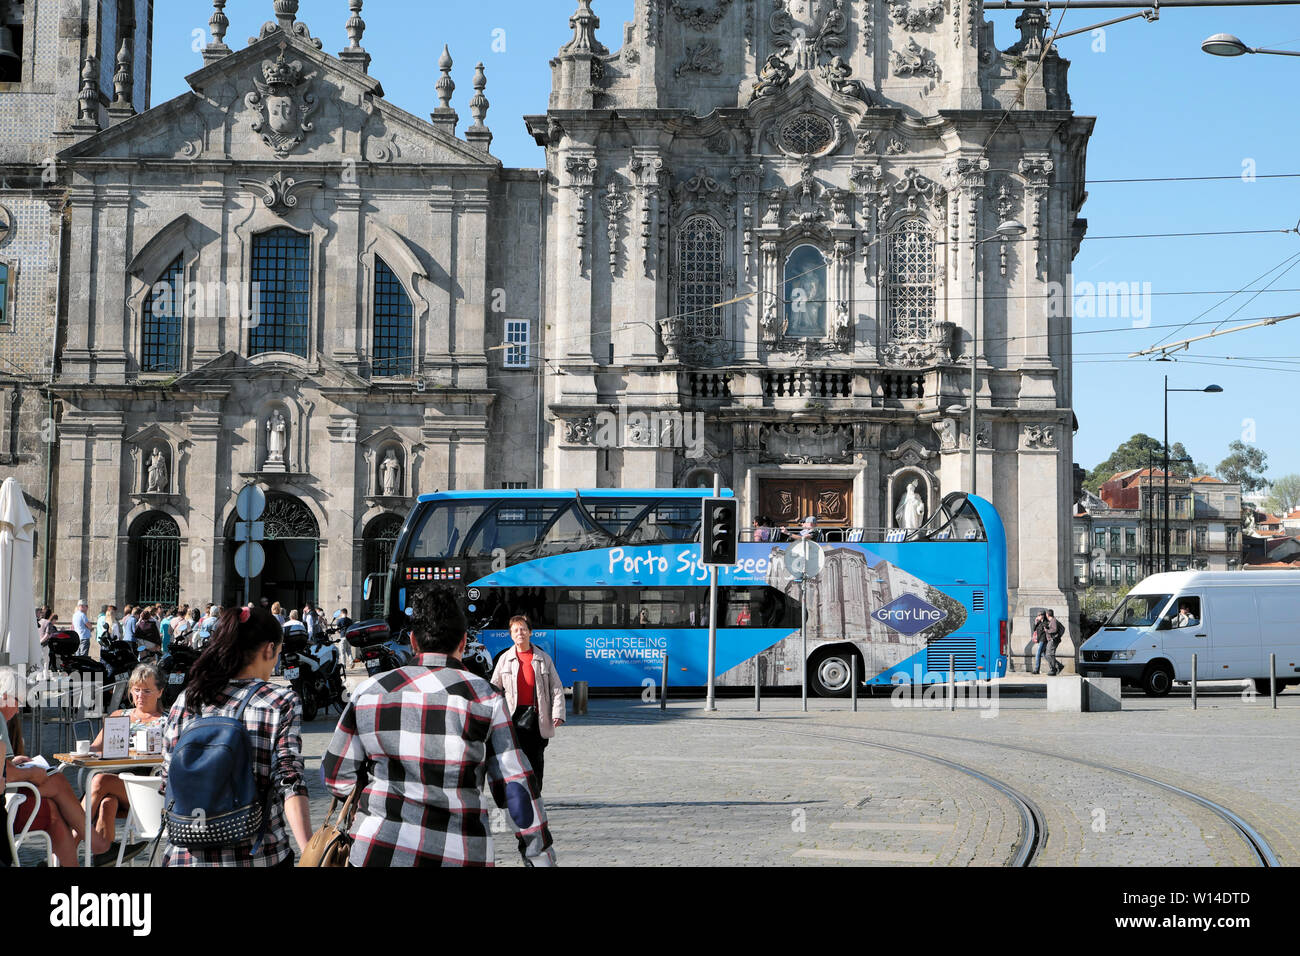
(758,686)
(1193,682)
(580,697)
(952,682)
(1272,678)
(853,680)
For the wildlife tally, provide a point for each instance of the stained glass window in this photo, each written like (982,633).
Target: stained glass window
(699,270)
(282,278)
(805,293)
(911,279)
(163,314)
(393,324)
(807,133)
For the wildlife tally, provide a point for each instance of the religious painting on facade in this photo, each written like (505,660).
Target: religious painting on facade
(805,294)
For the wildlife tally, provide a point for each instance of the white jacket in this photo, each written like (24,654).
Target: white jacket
(549,688)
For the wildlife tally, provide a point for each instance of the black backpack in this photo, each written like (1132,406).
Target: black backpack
(211,787)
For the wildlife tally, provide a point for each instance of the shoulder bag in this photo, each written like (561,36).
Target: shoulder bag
(332,843)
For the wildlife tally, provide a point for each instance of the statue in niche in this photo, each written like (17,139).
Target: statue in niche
(910,513)
(390,475)
(275,435)
(157,472)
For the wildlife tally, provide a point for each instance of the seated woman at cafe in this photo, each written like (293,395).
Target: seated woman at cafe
(59,814)
(107,792)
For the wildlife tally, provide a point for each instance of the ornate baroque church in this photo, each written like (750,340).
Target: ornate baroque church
(769,240)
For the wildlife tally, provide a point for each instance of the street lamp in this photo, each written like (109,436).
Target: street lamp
(1225,44)
(1164,545)
(1008,229)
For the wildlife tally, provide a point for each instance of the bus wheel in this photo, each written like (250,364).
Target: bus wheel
(1158,679)
(830,674)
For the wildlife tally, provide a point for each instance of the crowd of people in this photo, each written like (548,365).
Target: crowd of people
(416,807)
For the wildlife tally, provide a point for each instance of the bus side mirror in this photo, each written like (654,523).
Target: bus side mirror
(368,586)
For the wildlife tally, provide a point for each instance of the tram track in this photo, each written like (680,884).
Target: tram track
(1033,826)
(1259,847)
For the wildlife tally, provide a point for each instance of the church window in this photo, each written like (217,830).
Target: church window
(164,310)
(517,339)
(393,324)
(805,293)
(807,133)
(282,277)
(911,279)
(699,267)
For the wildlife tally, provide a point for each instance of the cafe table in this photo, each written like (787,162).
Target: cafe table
(93,765)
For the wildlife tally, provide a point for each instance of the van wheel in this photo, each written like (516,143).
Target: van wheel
(1157,680)
(1263,686)
(831,674)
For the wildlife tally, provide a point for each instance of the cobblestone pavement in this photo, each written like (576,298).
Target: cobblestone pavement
(627,785)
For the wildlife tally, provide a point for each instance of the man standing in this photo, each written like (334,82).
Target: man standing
(534,693)
(1052,630)
(432,733)
(341,623)
(128,624)
(81,624)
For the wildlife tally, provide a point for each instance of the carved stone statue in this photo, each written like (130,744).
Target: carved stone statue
(773,77)
(390,474)
(910,513)
(838,76)
(157,472)
(275,436)
(947,429)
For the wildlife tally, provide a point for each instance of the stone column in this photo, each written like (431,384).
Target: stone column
(345,284)
(338,573)
(205,480)
(1040,538)
(437,327)
(469,315)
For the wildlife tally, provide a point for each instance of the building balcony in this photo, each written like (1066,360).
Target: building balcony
(800,388)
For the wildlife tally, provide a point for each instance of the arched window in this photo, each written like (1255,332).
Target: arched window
(164,310)
(156,560)
(909,309)
(393,324)
(699,271)
(805,293)
(281,275)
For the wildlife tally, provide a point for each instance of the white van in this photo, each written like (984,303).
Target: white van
(1231,621)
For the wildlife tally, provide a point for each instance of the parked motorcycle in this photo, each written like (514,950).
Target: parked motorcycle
(315,670)
(64,659)
(176,665)
(375,644)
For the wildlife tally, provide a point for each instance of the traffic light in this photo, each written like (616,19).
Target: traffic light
(720,530)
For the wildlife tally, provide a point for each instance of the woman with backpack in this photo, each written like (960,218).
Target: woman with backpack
(232,679)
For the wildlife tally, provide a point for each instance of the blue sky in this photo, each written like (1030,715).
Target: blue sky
(1163,108)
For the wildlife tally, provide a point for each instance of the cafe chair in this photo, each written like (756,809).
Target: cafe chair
(144,817)
(16,794)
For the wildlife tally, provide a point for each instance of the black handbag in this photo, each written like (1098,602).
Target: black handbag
(526,718)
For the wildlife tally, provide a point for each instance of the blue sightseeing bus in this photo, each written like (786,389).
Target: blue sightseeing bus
(612,581)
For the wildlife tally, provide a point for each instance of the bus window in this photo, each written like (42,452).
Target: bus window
(954,520)
(442,531)
(667,607)
(513,528)
(589,607)
(494,608)
(617,516)
(668,521)
(570,532)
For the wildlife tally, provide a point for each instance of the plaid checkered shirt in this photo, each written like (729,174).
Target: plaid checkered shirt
(428,736)
(273,719)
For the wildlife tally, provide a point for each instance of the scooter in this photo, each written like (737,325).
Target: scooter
(315,671)
(375,645)
(64,659)
(175,666)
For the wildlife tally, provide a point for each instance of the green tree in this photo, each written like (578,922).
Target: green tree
(1245,465)
(1138,452)
(1285,495)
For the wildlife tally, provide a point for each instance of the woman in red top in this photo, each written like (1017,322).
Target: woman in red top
(534,693)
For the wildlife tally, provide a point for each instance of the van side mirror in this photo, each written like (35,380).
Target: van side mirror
(1164,624)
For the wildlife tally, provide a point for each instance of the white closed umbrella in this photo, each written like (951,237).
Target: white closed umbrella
(19,638)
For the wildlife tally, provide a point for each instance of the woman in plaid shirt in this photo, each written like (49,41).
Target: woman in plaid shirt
(243,653)
(429,736)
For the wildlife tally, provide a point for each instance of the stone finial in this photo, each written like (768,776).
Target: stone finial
(445,85)
(219,23)
(444,116)
(122,77)
(478,105)
(286,11)
(88,98)
(585,23)
(355,54)
(355,25)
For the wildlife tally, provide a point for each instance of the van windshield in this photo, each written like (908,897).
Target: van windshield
(1138,610)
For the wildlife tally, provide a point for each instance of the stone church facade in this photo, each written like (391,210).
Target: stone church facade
(281,279)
